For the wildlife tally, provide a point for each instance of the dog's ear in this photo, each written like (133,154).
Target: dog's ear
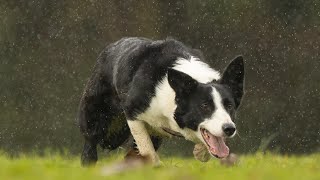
(180,82)
(233,77)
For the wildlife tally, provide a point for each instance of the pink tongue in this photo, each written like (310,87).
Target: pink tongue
(217,146)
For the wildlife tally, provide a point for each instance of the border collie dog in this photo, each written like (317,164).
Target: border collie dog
(157,89)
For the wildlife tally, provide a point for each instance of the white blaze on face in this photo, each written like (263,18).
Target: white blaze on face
(197,69)
(219,117)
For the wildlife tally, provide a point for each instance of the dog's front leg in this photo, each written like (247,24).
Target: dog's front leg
(143,140)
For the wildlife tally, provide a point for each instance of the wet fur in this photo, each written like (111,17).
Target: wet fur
(124,84)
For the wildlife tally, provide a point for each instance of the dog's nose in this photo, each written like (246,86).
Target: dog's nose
(228,129)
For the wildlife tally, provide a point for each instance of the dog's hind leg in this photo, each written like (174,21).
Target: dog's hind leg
(92,120)
(116,133)
(96,112)
(89,154)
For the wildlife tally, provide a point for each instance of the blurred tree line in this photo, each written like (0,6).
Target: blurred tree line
(48,48)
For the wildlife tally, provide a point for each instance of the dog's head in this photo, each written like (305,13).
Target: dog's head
(207,109)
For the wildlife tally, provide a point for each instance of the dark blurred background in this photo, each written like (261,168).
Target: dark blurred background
(48,49)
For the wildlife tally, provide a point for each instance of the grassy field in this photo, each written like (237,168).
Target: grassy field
(257,166)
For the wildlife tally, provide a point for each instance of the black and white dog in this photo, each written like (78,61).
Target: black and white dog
(155,89)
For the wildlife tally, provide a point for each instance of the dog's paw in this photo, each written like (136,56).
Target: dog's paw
(201,153)
(231,160)
(155,160)
(158,164)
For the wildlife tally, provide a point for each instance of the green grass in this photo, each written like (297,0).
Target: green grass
(257,166)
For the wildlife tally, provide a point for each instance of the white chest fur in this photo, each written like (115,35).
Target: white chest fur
(161,109)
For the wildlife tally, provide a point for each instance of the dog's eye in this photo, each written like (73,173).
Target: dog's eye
(205,107)
(227,104)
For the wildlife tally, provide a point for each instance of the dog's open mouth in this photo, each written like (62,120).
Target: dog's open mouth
(216,145)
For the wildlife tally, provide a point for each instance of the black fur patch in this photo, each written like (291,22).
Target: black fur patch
(233,78)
